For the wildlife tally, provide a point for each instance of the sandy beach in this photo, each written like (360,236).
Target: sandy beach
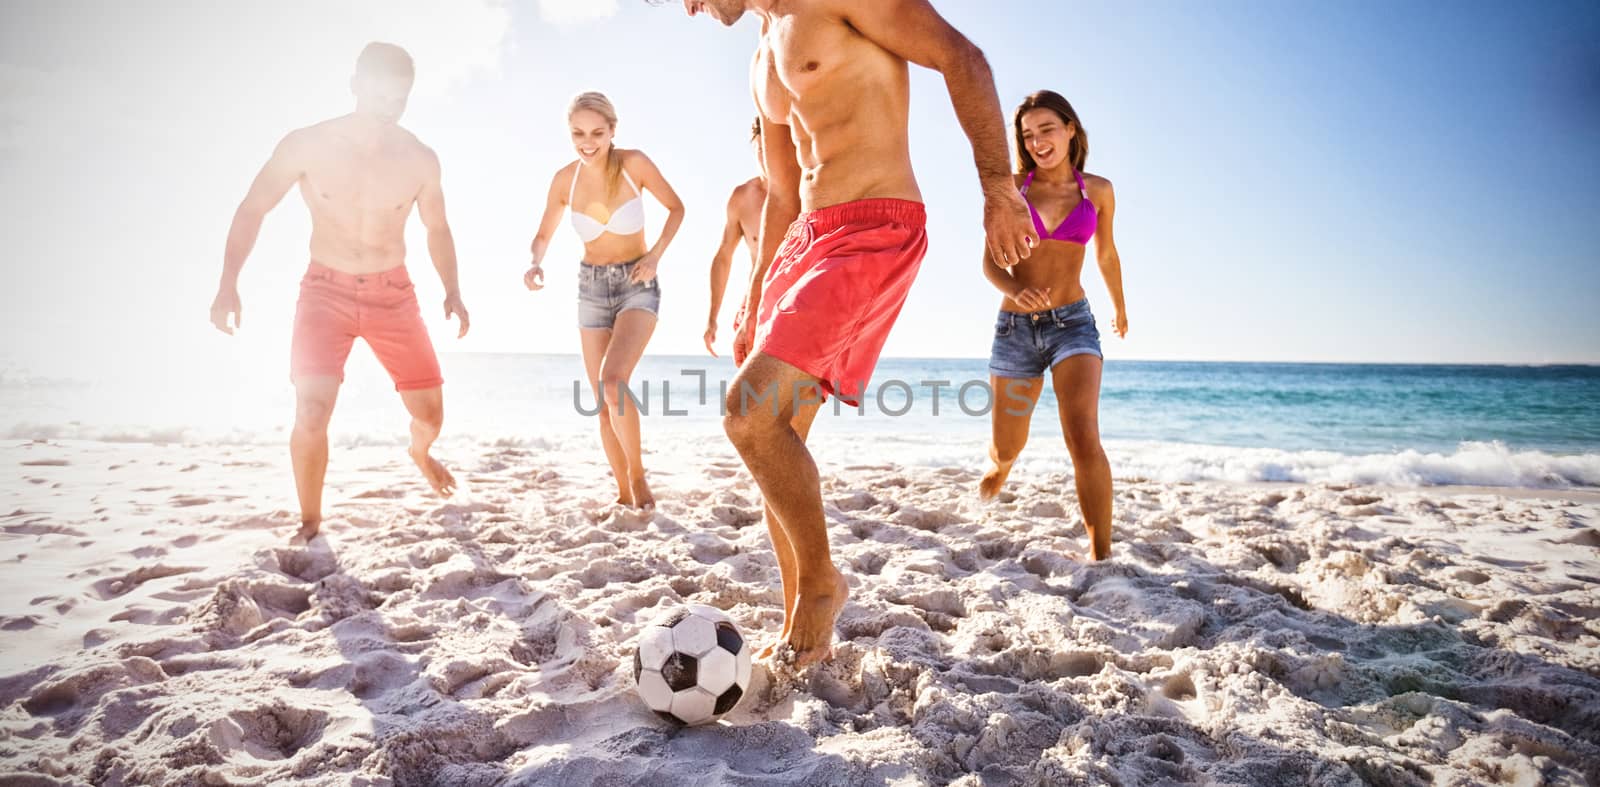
(158,629)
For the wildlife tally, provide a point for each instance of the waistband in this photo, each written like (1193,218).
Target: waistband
(1057,314)
(611,269)
(320,272)
(877,211)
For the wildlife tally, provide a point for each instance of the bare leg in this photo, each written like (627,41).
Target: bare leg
(308,448)
(766,439)
(628,339)
(1077,386)
(595,341)
(1013,412)
(788,567)
(427,418)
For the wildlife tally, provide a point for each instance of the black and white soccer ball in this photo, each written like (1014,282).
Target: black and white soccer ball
(692,665)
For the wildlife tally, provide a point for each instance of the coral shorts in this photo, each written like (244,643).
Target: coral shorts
(836,287)
(337,307)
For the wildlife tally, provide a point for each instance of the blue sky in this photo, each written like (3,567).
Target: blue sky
(1324,182)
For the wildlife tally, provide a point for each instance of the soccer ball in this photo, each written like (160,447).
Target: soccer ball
(691,665)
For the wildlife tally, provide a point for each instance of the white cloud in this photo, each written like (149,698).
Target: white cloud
(571,12)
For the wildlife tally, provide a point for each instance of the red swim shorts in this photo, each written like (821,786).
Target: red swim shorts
(336,307)
(836,287)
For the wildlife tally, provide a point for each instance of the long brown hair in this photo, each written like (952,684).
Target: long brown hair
(598,103)
(1077,149)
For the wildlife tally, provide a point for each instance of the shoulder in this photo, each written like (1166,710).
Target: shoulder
(303,140)
(634,160)
(1018,178)
(749,189)
(563,179)
(745,194)
(424,154)
(1097,185)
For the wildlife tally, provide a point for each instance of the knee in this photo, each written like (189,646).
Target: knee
(311,415)
(431,416)
(1005,455)
(744,429)
(1083,440)
(613,389)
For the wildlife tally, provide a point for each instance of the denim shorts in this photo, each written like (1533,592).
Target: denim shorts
(604,292)
(1028,345)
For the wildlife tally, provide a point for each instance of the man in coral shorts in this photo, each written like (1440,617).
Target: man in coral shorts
(842,239)
(360,175)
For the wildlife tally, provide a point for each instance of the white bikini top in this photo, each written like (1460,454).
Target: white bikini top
(627,219)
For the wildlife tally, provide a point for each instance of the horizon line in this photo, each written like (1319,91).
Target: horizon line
(1584,364)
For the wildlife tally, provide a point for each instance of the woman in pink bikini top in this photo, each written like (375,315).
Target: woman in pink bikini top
(1045,331)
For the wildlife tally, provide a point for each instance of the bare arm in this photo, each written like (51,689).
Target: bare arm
(644,171)
(1032,299)
(722,261)
(441,243)
(1105,252)
(779,210)
(276,177)
(555,202)
(913,30)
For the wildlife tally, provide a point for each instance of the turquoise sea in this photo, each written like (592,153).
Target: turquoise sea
(1535,426)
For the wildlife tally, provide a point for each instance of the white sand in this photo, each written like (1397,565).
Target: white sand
(156,629)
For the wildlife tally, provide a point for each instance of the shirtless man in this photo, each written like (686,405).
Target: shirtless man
(842,238)
(744,223)
(359,174)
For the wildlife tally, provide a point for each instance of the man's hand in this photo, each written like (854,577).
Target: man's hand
(711,338)
(742,342)
(453,307)
(534,278)
(226,303)
(1009,227)
(645,269)
(744,329)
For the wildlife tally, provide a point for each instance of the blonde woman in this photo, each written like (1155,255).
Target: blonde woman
(618,295)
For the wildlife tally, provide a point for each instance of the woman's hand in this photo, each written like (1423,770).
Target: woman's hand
(534,278)
(1034,299)
(645,269)
(711,337)
(1120,324)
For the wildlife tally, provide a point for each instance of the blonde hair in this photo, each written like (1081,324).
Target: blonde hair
(597,103)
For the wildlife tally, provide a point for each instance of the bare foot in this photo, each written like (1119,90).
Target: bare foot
(308,530)
(993,480)
(813,615)
(624,497)
(439,478)
(643,498)
(783,636)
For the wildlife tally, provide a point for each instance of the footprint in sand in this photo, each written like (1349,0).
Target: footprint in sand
(270,732)
(113,587)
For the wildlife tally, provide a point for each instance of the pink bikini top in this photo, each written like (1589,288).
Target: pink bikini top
(1077,227)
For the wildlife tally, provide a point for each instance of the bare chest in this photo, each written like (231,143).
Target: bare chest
(803,60)
(372,183)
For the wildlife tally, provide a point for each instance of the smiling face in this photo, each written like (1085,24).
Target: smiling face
(591,134)
(1046,136)
(724,11)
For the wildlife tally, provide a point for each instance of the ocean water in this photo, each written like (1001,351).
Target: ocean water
(1392,424)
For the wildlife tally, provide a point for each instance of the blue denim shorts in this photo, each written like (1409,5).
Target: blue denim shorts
(604,292)
(1028,345)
